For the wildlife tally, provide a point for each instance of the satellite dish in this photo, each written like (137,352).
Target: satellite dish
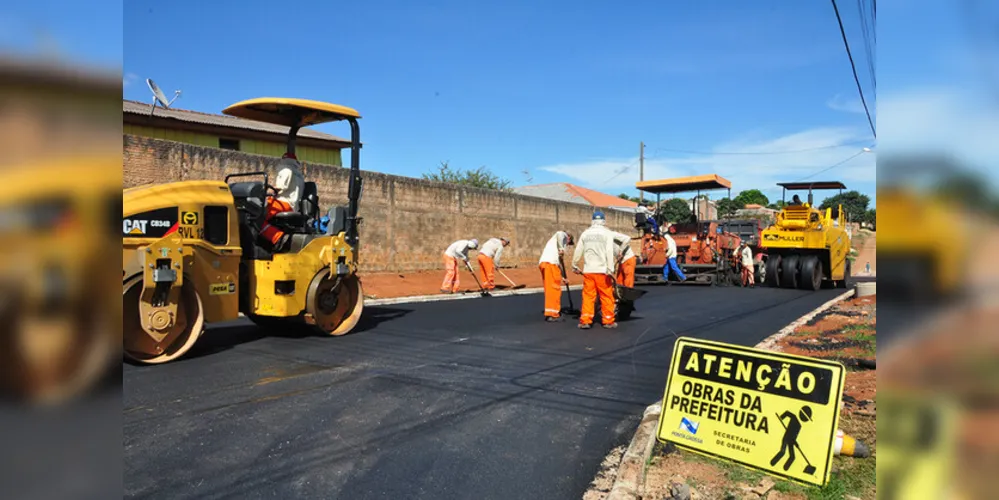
(159,96)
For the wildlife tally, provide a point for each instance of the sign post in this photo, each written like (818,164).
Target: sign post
(773,412)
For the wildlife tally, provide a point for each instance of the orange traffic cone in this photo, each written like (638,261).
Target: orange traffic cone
(846,445)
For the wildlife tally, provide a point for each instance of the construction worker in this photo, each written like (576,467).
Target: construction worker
(489,259)
(596,249)
(551,274)
(290,182)
(745,256)
(628,259)
(457,251)
(671,257)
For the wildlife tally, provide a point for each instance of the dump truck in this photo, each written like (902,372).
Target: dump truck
(704,249)
(807,248)
(193,252)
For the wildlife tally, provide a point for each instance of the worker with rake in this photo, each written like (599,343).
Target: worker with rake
(628,260)
(596,249)
(457,250)
(553,274)
(489,259)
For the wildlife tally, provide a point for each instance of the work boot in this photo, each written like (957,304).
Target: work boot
(612,325)
(553,319)
(584,326)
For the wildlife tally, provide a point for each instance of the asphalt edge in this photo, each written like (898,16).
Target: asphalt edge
(630,480)
(462,296)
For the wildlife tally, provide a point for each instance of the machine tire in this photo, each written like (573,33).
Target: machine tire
(810,275)
(191,306)
(847,280)
(335,315)
(789,272)
(772,278)
(759,272)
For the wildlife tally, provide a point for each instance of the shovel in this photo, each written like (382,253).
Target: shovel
(810,469)
(482,291)
(572,309)
(515,286)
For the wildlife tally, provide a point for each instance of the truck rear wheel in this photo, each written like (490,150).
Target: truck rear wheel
(789,272)
(810,277)
(140,346)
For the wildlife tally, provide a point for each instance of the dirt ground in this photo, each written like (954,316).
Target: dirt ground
(846,332)
(866,244)
(390,285)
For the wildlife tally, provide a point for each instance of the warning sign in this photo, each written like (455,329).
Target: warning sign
(769,411)
(916,452)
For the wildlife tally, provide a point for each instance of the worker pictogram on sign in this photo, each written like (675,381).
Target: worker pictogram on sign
(769,411)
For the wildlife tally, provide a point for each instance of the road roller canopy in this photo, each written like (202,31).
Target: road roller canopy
(811,186)
(289,112)
(684,184)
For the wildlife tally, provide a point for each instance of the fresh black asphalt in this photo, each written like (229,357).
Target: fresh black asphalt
(472,398)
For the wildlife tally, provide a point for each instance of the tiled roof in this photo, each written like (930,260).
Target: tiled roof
(184,115)
(563,191)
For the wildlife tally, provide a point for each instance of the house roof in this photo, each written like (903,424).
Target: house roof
(563,191)
(224,121)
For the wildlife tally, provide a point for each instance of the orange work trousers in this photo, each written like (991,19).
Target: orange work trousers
(551,276)
(274,207)
(595,284)
(626,273)
(451,280)
(487,268)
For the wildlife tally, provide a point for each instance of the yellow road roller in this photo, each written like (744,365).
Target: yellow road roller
(197,252)
(807,247)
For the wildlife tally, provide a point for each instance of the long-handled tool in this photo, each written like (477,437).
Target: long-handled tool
(572,309)
(482,291)
(515,286)
(810,469)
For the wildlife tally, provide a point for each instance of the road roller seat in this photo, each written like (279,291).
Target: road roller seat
(249,199)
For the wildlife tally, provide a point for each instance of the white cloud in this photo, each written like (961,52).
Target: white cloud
(803,154)
(128,79)
(840,103)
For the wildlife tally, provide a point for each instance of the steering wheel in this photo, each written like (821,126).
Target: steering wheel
(271,189)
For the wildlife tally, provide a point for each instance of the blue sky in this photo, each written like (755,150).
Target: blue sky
(565,91)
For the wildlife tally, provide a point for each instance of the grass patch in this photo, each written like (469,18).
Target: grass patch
(865,334)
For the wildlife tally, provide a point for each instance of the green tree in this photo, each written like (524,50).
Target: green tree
(777,205)
(727,207)
(624,196)
(854,204)
(675,211)
(479,178)
(751,197)
(871,217)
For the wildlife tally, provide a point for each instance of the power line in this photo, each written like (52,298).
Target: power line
(853,67)
(867,34)
(787,151)
(833,166)
(621,171)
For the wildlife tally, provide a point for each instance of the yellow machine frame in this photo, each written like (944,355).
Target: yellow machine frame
(190,255)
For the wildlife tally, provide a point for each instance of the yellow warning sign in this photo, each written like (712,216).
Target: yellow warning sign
(916,452)
(769,411)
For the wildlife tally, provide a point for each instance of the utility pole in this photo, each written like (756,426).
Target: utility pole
(641,169)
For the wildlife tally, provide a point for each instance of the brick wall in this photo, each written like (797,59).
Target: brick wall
(407,222)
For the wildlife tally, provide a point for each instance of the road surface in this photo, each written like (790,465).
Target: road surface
(456,399)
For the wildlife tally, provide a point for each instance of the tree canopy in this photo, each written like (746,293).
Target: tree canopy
(727,207)
(480,177)
(675,211)
(752,196)
(854,204)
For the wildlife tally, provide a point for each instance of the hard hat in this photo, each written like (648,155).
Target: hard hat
(289,155)
(598,215)
(805,414)
(474,242)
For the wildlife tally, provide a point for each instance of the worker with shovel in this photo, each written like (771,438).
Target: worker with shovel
(457,250)
(553,274)
(596,249)
(790,439)
(628,259)
(489,259)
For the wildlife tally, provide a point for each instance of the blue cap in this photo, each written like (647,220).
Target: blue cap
(598,215)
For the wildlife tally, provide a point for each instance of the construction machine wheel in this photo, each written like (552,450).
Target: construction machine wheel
(810,274)
(335,303)
(772,278)
(140,347)
(847,276)
(789,272)
(759,272)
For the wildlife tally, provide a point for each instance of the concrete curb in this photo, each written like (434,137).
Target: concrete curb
(462,296)
(630,480)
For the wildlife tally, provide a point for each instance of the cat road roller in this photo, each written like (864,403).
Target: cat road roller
(193,252)
(807,247)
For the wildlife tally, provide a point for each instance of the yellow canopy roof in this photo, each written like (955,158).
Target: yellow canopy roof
(290,112)
(683,184)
